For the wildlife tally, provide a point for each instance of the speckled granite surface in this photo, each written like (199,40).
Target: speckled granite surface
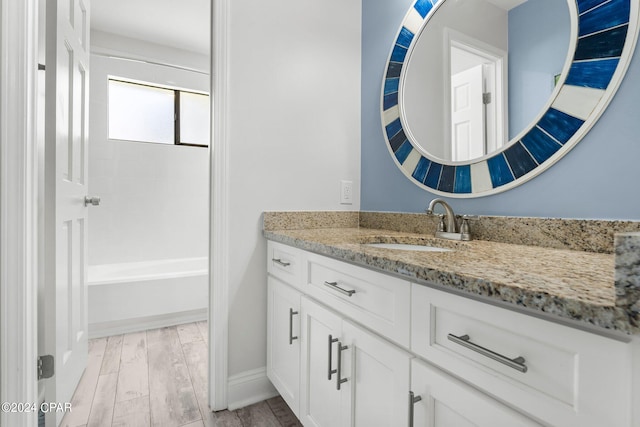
(576,285)
(572,234)
(627,273)
(320,219)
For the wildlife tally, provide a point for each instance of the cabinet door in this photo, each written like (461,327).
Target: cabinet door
(447,402)
(377,387)
(321,332)
(283,342)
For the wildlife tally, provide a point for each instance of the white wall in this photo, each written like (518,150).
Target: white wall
(293,134)
(154,197)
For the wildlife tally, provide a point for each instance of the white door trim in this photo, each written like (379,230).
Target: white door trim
(219,212)
(18,207)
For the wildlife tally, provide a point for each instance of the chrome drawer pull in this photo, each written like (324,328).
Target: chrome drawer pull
(413,399)
(279,261)
(334,285)
(339,378)
(330,370)
(517,363)
(291,337)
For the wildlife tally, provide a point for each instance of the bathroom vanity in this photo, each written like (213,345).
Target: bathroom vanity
(534,322)
(485,333)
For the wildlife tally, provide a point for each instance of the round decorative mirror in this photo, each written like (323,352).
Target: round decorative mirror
(480,96)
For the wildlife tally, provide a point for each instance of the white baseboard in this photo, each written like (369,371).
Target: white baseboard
(249,387)
(125,326)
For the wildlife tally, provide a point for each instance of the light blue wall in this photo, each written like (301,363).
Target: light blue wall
(598,179)
(538,45)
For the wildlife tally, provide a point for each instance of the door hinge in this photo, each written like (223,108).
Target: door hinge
(46,366)
(486,98)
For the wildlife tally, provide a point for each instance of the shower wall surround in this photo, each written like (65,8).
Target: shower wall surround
(148,238)
(154,196)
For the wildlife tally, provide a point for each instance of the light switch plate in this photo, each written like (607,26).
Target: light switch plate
(346,192)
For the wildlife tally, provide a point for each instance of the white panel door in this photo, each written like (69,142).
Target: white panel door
(446,402)
(283,341)
(66,120)
(467,115)
(321,334)
(376,393)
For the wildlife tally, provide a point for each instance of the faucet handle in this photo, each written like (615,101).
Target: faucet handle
(463,220)
(464,226)
(441,226)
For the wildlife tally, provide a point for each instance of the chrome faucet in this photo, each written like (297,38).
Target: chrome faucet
(449,229)
(451,225)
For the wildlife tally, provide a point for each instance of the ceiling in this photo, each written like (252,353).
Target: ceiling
(507,4)
(181,24)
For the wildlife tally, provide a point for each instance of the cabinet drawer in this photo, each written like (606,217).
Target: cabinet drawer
(285,263)
(563,377)
(376,300)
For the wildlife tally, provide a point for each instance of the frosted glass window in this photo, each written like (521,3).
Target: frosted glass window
(141,113)
(194,118)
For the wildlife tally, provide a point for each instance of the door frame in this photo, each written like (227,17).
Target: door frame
(18,207)
(219,215)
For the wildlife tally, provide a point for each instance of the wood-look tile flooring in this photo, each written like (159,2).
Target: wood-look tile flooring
(159,378)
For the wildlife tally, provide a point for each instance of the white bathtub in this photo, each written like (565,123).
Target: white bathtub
(136,296)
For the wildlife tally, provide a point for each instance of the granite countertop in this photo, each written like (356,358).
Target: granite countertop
(571,284)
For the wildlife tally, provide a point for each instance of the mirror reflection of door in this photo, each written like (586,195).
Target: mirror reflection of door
(477,115)
(467,115)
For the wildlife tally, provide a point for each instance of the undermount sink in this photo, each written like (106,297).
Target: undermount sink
(408,247)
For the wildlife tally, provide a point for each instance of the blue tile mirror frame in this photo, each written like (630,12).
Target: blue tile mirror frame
(603,38)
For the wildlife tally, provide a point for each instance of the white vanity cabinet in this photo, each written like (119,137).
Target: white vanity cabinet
(350,376)
(320,399)
(377,373)
(348,345)
(283,343)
